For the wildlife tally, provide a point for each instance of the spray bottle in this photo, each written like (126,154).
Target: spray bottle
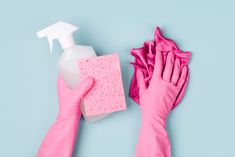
(68,62)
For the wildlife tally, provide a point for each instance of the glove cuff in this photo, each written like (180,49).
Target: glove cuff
(74,115)
(154,124)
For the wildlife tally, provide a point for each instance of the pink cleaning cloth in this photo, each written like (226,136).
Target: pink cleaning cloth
(107,94)
(145,60)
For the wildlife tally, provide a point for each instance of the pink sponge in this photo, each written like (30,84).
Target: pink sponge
(107,94)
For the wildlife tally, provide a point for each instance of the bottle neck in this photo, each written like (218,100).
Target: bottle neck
(66,42)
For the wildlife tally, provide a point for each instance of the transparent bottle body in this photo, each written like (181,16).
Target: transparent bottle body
(68,63)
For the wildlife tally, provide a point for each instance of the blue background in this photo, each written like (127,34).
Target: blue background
(203,125)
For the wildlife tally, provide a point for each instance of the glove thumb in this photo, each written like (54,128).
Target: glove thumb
(83,88)
(140,81)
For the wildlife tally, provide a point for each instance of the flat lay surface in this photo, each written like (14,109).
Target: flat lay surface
(202,125)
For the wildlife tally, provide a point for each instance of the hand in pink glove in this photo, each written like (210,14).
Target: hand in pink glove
(60,139)
(156,102)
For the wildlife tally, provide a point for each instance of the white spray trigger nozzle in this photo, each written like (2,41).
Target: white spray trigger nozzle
(61,31)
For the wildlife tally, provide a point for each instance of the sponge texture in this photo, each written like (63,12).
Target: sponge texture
(107,94)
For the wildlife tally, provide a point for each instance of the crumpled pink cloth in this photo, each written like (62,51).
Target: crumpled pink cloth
(145,58)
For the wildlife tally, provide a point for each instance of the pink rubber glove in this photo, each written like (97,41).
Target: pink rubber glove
(145,57)
(60,139)
(156,101)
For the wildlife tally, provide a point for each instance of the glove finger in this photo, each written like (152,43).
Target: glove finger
(158,66)
(140,81)
(83,88)
(183,77)
(169,67)
(176,72)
